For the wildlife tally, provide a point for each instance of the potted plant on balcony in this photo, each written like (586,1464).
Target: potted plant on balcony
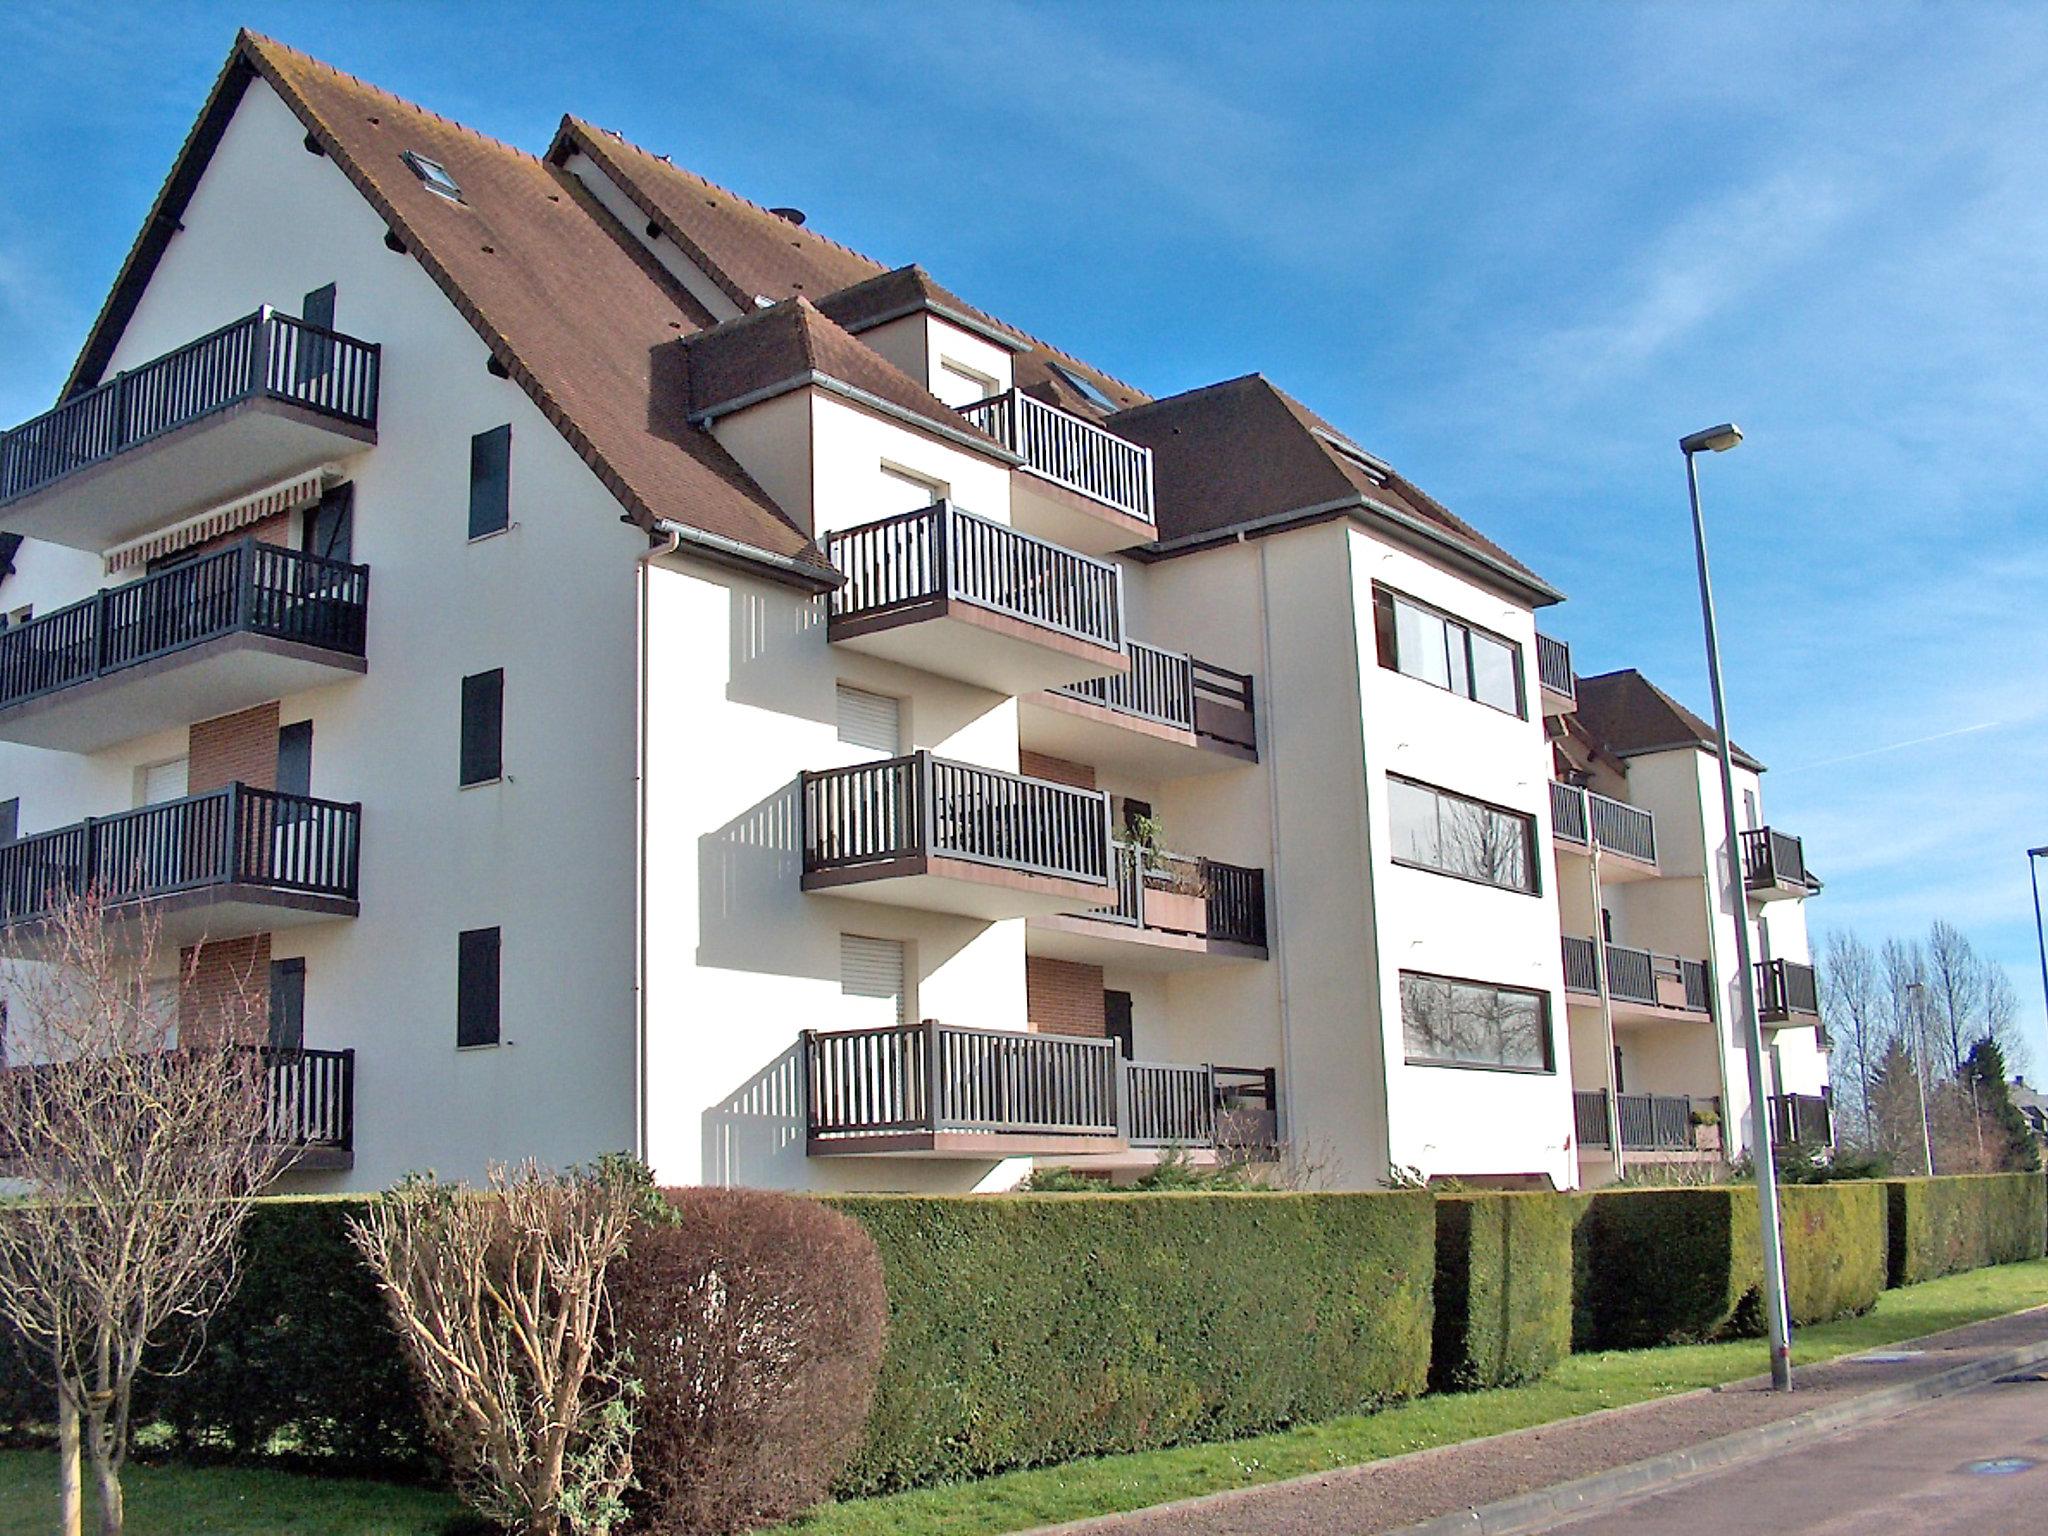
(1176,893)
(1706,1130)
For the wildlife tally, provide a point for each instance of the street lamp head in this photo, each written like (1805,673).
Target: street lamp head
(2037,853)
(1714,439)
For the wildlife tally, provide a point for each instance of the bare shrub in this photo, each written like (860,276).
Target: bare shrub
(500,1301)
(136,1152)
(755,1322)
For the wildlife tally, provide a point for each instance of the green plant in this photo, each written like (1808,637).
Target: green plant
(1503,1289)
(1942,1225)
(1033,1329)
(1704,1117)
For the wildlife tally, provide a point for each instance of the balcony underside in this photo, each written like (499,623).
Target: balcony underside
(1628,1010)
(1071,518)
(988,1146)
(206,915)
(935,883)
(1090,941)
(1615,868)
(1086,732)
(1555,703)
(322,1160)
(202,464)
(1778,890)
(202,682)
(961,640)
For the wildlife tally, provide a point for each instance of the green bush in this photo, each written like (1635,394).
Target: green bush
(1503,1289)
(1834,1247)
(1943,1225)
(1035,1329)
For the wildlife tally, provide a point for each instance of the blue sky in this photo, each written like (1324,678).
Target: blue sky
(1516,249)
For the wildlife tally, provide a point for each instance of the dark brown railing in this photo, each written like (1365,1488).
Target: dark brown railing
(1064,448)
(1801,1117)
(1654,1122)
(1589,1117)
(943,552)
(1568,813)
(237,835)
(901,807)
(311,1097)
(1176,689)
(1233,897)
(246,588)
(1169,1105)
(265,354)
(1773,858)
(1581,965)
(1247,1110)
(1623,829)
(1554,665)
(1785,988)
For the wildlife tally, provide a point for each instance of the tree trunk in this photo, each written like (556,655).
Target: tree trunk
(113,1508)
(70,1514)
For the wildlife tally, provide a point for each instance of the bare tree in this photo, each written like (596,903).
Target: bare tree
(136,1151)
(1955,996)
(1852,1004)
(499,1298)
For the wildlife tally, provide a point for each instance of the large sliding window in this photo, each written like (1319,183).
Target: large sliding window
(1451,1023)
(1427,643)
(1456,835)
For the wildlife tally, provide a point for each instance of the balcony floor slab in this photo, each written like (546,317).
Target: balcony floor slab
(971,1145)
(1085,732)
(207,915)
(1090,941)
(1072,519)
(933,883)
(976,645)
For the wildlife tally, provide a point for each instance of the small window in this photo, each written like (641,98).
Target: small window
(295,758)
(962,385)
(18,616)
(476,987)
(490,482)
(157,782)
(1449,1023)
(1083,387)
(288,1005)
(433,175)
(917,491)
(483,726)
(1420,642)
(870,720)
(871,980)
(10,820)
(317,308)
(330,527)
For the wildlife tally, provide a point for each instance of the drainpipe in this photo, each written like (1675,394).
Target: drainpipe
(1276,935)
(1607,1072)
(671,536)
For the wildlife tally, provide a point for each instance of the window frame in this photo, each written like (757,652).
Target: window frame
(479,987)
(1546,1020)
(481,482)
(433,175)
(287,979)
(1528,820)
(486,691)
(1386,637)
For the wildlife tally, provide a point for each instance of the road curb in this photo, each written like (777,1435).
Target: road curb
(1545,1507)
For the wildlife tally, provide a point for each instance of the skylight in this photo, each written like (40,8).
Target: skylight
(434,175)
(1087,391)
(1357,455)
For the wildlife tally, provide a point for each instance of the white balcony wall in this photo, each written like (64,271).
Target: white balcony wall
(921,344)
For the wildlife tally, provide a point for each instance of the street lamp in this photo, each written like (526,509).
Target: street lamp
(1917,991)
(2040,936)
(1777,1316)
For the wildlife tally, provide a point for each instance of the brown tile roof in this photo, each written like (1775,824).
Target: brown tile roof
(1245,452)
(1629,715)
(585,322)
(905,291)
(791,345)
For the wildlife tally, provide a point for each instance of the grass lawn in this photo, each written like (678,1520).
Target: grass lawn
(167,1501)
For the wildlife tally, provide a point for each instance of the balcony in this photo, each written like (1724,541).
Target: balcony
(255,402)
(1581,819)
(1774,865)
(226,631)
(1786,993)
(960,596)
(1806,1118)
(222,865)
(1171,912)
(938,1090)
(1083,485)
(1171,715)
(1648,1122)
(1642,985)
(941,836)
(1554,673)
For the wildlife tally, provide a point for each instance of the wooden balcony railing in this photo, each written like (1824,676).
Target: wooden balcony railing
(1771,858)
(1802,1117)
(1786,989)
(1554,665)
(265,354)
(1568,813)
(247,588)
(1654,1122)
(1176,689)
(1068,450)
(902,807)
(1150,885)
(234,836)
(1589,1118)
(1579,816)
(1581,965)
(1665,981)
(938,1079)
(941,552)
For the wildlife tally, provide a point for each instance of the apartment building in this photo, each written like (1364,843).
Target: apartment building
(622,670)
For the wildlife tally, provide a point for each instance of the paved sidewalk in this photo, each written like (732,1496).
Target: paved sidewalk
(1388,1495)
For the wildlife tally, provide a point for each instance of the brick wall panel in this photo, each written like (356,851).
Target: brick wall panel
(1064,998)
(225,984)
(1039,766)
(239,746)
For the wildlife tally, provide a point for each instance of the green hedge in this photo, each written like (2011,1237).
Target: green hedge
(1039,1328)
(1503,1289)
(1943,1225)
(1661,1266)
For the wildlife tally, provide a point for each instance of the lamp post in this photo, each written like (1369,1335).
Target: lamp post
(1917,991)
(1777,1315)
(2040,935)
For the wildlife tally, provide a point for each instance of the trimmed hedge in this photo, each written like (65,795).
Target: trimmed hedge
(1503,1289)
(1940,1226)
(1035,1329)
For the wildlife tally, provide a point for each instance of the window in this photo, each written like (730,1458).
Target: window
(433,175)
(317,308)
(157,782)
(1116,1022)
(911,491)
(483,727)
(870,720)
(288,1005)
(871,979)
(295,758)
(314,353)
(490,482)
(962,385)
(1474,1024)
(476,987)
(330,527)
(10,820)
(1444,652)
(1083,387)
(1454,835)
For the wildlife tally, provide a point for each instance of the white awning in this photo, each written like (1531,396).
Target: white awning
(285,496)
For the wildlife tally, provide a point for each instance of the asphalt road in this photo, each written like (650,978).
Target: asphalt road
(1921,1473)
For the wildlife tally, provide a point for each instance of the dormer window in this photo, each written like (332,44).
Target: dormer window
(1083,387)
(433,175)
